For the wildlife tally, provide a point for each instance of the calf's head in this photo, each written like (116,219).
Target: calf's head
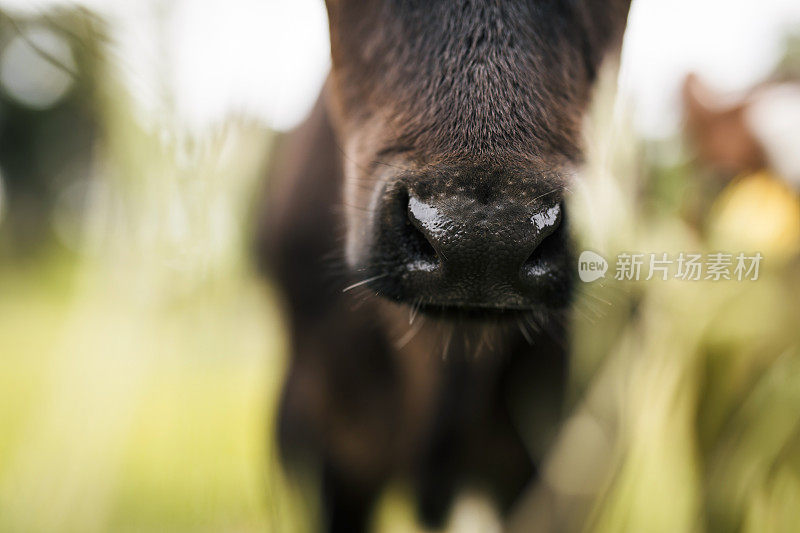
(461,123)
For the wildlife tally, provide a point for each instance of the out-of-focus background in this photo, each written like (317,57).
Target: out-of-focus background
(141,355)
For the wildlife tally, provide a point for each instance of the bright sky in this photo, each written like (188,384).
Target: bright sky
(269,57)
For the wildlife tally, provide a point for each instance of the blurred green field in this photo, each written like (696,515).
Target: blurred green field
(128,413)
(140,354)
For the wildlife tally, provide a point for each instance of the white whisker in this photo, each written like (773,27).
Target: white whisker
(410,334)
(525,333)
(364,282)
(412,313)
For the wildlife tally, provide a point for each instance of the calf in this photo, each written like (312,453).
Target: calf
(417,231)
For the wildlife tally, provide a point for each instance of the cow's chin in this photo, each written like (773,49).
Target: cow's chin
(471,331)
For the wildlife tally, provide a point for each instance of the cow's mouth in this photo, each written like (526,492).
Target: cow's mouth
(469,313)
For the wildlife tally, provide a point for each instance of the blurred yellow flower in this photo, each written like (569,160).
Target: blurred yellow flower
(757,212)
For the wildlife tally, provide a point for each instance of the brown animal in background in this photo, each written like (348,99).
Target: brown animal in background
(416,228)
(719,129)
(736,134)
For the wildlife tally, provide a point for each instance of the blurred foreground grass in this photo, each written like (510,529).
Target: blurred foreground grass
(140,355)
(124,413)
(686,393)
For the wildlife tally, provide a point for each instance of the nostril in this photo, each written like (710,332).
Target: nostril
(550,228)
(421,254)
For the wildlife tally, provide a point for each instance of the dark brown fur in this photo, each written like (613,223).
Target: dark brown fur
(487,96)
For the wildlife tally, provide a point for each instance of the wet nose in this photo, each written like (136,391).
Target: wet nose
(476,252)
